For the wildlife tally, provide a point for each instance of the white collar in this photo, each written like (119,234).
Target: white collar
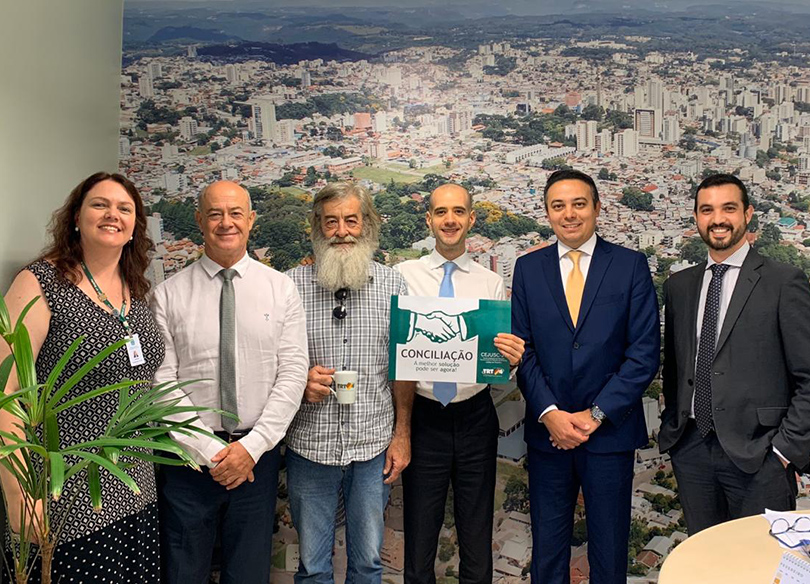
(587,248)
(212,268)
(736,259)
(437,260)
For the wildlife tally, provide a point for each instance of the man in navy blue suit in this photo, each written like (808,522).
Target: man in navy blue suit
(588,312)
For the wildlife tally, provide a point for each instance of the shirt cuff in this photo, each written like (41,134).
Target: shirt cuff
(780,455)
(550,408)
(255,444)
(208,448)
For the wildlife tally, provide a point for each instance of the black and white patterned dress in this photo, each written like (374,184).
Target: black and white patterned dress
(120,544)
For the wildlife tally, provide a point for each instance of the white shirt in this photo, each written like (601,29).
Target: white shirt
(566,266)
(734,262)
(471,280)
(271,351)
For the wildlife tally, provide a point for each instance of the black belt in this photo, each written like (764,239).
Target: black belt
(228,437)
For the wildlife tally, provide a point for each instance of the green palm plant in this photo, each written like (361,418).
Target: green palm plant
(41,465)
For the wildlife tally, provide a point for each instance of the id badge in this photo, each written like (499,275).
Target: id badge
(134,351)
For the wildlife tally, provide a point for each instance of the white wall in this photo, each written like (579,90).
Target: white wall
(60,66)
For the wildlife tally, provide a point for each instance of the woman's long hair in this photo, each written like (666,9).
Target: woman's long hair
(65,249)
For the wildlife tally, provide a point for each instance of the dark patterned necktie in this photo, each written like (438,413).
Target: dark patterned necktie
(227,350)
(705,356)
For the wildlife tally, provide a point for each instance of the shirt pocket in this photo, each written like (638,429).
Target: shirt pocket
(258,339)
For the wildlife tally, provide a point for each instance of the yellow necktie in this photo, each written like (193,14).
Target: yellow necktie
(574,286)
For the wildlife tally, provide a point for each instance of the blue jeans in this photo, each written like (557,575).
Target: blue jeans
(314,492)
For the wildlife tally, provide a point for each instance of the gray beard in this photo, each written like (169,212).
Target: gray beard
(337,268)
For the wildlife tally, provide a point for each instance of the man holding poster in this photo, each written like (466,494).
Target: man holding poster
(454,427)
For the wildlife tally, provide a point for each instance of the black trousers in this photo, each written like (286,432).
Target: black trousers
(712,489)
(194,507)
(457,445)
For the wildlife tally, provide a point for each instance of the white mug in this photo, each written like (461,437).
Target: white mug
(345,386)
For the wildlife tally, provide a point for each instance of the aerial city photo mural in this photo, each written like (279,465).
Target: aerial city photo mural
(404,97)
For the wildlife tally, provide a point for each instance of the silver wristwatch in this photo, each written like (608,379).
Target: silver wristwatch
(597,414)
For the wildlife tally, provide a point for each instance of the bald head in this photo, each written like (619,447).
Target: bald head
(450,218)
(225,218)
(223,186)
(451,189)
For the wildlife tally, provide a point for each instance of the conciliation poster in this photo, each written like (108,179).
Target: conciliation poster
(447,339)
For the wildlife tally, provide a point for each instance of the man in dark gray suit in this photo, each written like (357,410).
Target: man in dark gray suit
(736,369)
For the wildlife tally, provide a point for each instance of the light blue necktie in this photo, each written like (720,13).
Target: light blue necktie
(445,391)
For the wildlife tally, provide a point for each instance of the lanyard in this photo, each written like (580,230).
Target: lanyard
(119,314)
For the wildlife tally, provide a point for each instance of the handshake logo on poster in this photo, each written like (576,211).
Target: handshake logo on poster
(438,326)
(447,339)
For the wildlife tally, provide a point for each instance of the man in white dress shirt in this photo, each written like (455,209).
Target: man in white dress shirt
(238,325)
(454,430)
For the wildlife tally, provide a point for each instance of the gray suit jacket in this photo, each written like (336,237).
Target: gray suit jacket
(761,370)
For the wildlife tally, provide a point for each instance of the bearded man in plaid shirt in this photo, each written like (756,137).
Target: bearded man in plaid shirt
(359,448)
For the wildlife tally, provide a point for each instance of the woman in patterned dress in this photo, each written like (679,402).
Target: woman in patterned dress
(94,265)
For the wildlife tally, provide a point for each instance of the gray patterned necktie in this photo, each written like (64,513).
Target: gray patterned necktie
(705,356)
(227,350)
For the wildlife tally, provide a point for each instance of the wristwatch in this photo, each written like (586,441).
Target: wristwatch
(597,415)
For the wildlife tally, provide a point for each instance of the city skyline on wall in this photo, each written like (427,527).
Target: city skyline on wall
(284,102)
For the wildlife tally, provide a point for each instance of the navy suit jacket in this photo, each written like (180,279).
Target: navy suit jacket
(609,359)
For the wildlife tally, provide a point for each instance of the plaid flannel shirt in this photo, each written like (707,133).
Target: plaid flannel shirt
(329,432)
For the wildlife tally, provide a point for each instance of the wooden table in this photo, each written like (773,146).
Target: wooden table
(738,552)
